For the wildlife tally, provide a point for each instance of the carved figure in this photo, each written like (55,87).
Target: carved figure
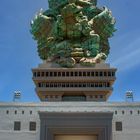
(73,31)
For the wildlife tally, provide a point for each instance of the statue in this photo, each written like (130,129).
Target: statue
(73,32)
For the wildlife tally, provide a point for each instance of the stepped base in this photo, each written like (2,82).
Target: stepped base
(54,83)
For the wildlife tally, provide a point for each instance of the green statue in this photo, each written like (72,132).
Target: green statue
(73,32)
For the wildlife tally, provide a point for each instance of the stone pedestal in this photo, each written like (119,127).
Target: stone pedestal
(54,83)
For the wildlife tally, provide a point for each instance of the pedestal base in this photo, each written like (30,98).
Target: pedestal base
(74,84)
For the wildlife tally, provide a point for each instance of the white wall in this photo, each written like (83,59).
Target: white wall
(130,122)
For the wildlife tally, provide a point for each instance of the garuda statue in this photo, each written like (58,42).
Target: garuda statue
(73,31)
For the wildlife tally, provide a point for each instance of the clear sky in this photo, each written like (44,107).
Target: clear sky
(18,52)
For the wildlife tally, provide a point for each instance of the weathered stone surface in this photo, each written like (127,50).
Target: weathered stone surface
(73,31)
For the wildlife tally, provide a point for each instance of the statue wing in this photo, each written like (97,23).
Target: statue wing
(41,29)
(41,26)
(103,24)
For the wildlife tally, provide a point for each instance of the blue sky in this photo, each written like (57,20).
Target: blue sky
(18,52)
